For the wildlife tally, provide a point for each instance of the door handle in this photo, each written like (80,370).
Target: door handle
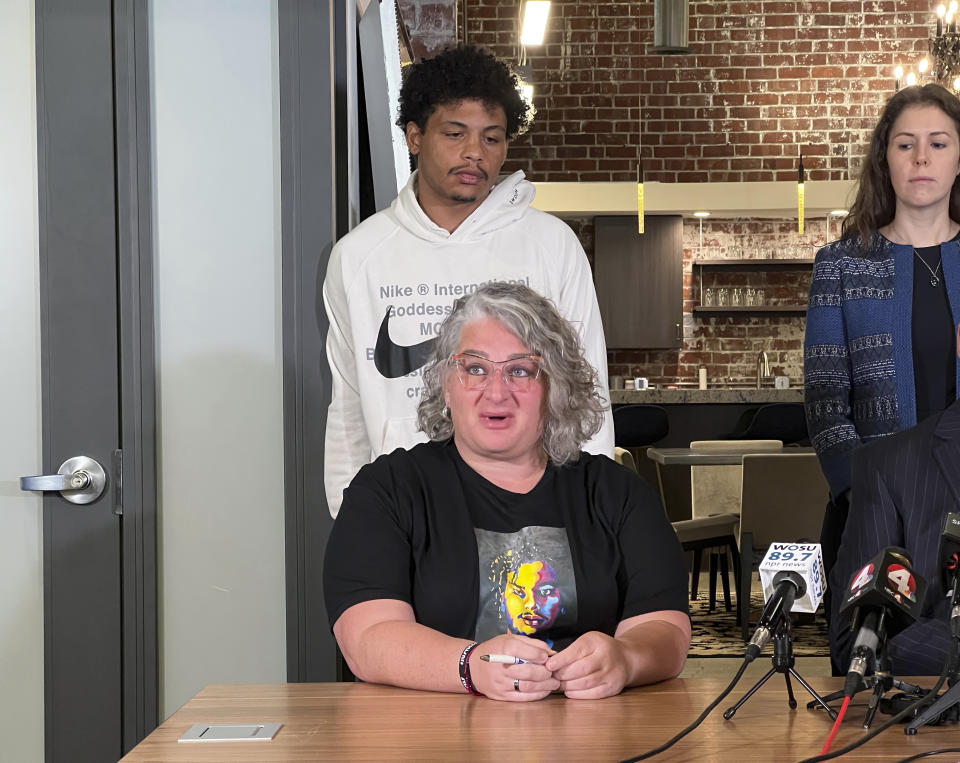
(80,480)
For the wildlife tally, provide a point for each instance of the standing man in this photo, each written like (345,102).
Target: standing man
(392,280)
(903,488)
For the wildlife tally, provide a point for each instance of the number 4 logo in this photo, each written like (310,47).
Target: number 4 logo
(901,579)
(863,577)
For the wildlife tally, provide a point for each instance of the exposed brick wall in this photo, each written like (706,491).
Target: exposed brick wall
(765,79)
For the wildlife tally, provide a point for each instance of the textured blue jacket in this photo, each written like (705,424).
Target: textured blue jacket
(858,348)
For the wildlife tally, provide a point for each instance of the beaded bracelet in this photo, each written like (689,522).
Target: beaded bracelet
(465,669)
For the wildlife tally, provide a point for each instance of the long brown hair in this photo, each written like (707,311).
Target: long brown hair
(876,202)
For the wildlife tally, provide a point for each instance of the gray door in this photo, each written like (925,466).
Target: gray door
(97,301)
(99,558)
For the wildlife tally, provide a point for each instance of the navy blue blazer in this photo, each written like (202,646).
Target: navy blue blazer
(903,487)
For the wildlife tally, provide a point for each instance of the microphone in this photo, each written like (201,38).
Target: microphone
(949,556)
(882,599)
(793,580)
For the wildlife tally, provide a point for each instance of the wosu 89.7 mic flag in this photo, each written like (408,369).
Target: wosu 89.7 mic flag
(806,559)
(793,581)
(887,582)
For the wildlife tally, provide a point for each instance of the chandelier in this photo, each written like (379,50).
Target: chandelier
(945,46)
(944,49)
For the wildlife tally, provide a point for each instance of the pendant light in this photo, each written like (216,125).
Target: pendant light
(800,180)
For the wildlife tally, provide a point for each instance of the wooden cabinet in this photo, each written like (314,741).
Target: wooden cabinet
(729,265)
(639,280)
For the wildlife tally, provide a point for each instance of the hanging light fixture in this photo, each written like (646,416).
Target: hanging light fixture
(701,216)
(944,46)
(801,177)
(531,31)
(534,26)
(671,27)
(639,195)
(639,164)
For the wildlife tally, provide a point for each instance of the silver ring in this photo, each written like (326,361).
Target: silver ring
(516,684)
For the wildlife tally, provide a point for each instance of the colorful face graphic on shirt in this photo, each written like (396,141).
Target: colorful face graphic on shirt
(531,598)
(527,583)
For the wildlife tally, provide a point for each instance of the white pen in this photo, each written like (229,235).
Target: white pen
(502,659)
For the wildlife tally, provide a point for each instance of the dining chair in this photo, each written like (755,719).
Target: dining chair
(715,491)
(636,427)
(714,534)
(624,457)
(781,500)
(774,421)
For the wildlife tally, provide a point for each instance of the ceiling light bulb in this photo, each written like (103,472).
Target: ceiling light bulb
(941,11)
(535,14)
(911,79)
(952,8)
(898,72)
(701,214)
(839,212)
(922,66)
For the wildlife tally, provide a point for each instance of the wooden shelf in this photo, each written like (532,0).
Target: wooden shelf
(749,264)
(780,309)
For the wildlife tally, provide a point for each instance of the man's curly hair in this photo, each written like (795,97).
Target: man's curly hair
(462,73)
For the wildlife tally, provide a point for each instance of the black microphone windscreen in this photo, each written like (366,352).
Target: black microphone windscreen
(949,553)
(886,582)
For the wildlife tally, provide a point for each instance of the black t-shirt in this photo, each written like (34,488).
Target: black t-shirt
(587,547)
(933,335)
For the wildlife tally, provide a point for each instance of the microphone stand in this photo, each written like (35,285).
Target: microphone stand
(948,705)
(883,681)
(880,682)
(783,662)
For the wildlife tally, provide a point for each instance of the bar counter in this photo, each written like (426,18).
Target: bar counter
(714,395)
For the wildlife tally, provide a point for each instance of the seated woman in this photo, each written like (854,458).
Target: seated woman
(501,531)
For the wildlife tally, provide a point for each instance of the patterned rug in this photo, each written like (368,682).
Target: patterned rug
(716,634)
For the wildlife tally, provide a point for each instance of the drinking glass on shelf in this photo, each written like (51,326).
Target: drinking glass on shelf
(708,297)
(748,297)
(759,298)
(736,299)
(722,296)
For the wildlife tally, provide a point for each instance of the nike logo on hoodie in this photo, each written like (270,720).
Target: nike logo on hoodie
(395,360)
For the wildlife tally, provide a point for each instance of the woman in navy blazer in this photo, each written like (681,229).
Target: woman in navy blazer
(884,300)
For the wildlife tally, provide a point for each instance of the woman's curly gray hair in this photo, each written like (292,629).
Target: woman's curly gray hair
(573,410)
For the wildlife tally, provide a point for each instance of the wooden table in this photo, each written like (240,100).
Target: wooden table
(708,457)
(359,721)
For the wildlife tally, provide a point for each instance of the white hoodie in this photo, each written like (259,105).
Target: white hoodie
(400,259)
